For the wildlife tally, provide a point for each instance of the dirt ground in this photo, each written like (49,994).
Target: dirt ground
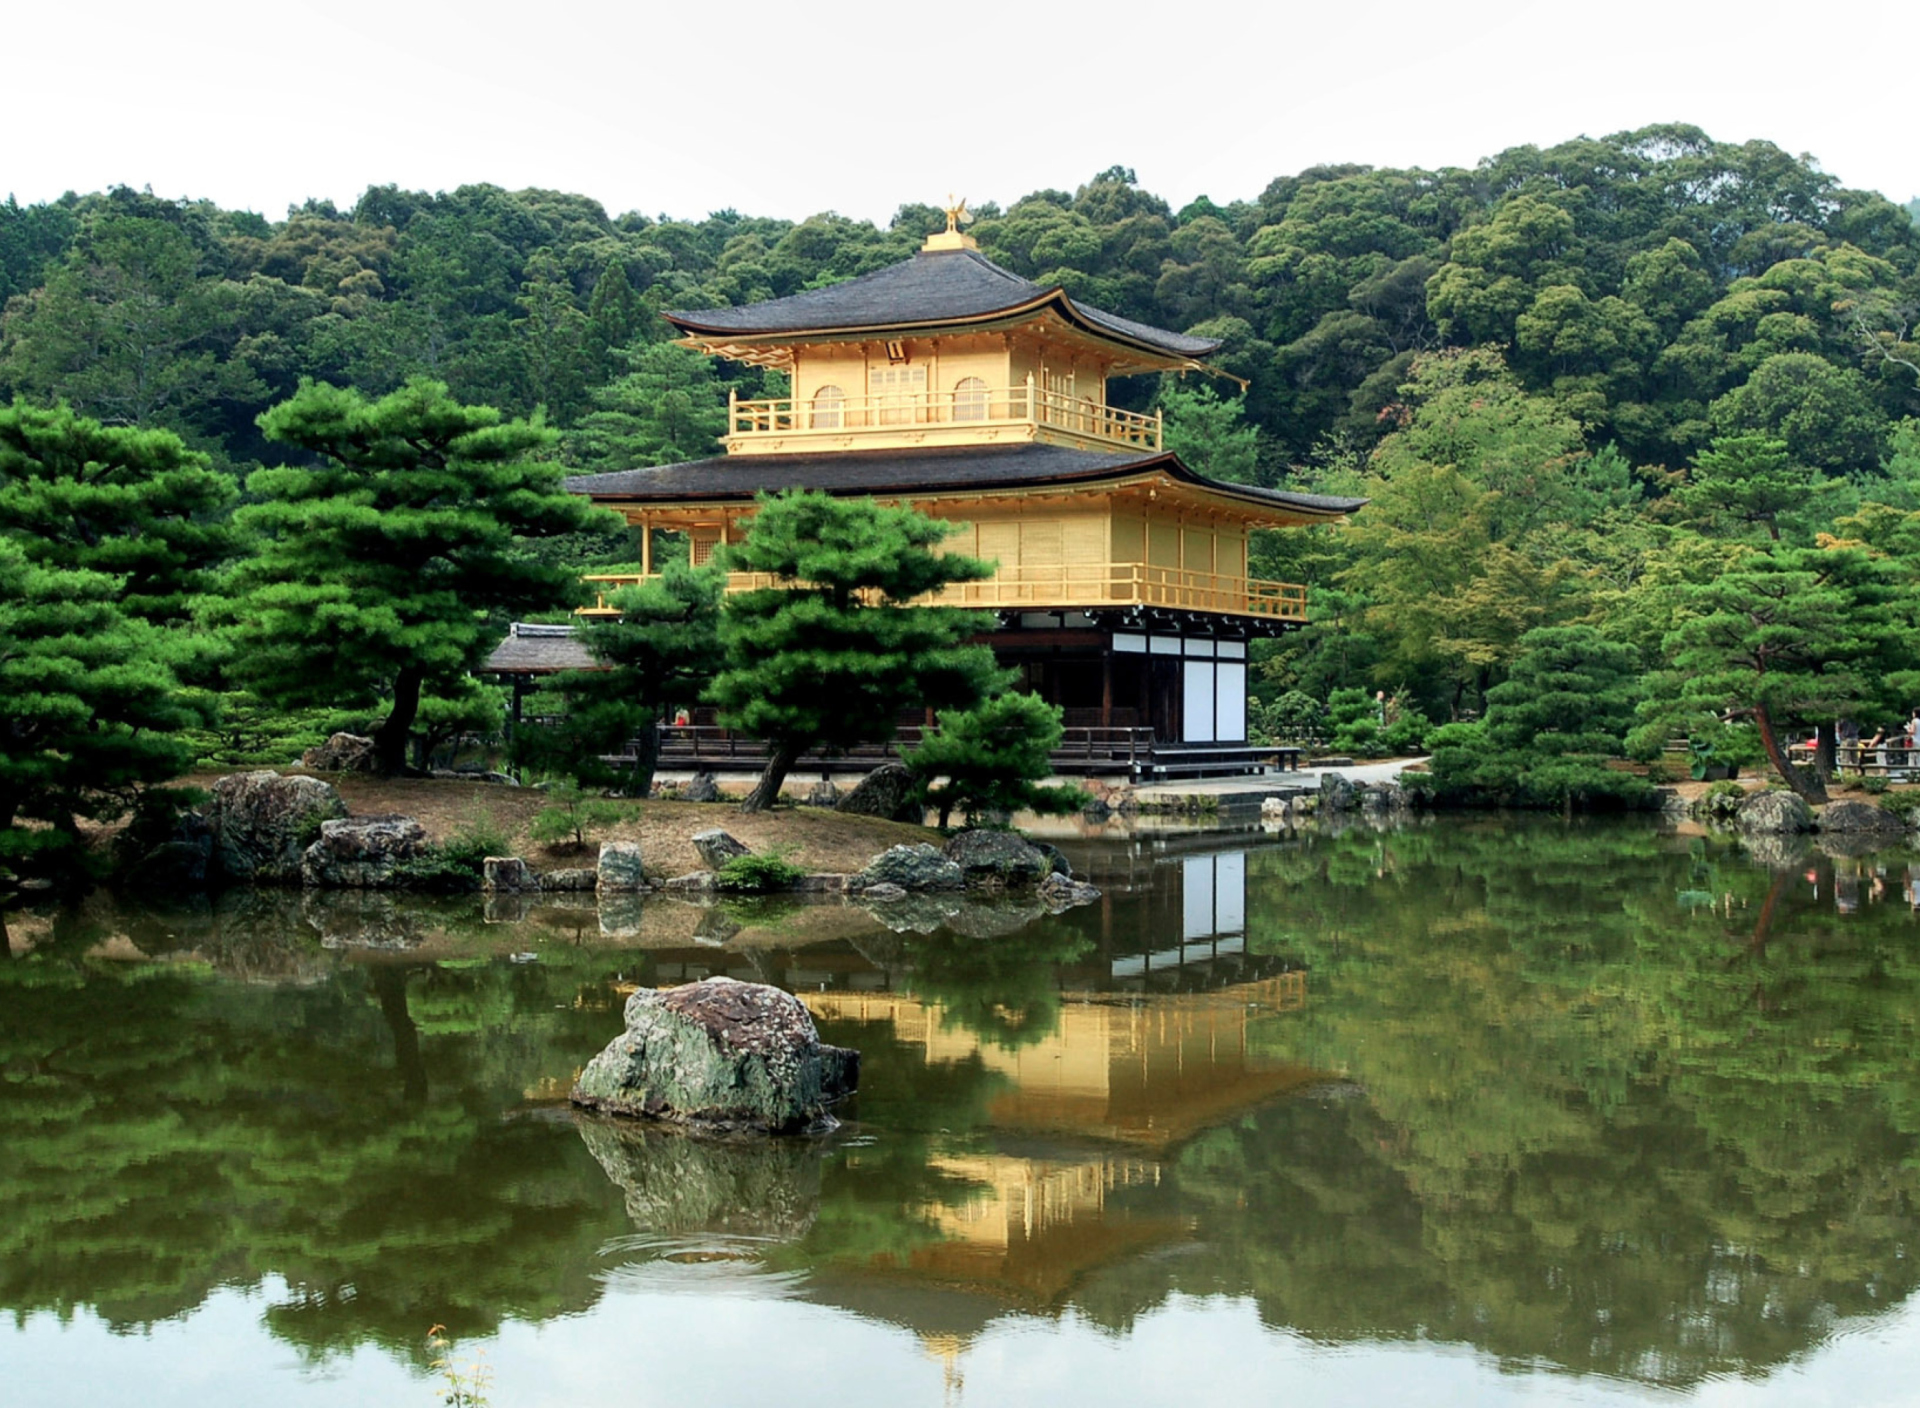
(810,838)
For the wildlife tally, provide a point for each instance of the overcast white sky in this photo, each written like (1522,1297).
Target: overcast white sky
(859,106)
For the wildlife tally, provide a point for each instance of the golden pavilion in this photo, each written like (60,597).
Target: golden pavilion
(951,384)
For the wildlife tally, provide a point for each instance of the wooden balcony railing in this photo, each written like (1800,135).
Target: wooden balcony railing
(956,412)
(1066,585)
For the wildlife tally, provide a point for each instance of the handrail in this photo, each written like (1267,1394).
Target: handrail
(982,406)
(1089,584)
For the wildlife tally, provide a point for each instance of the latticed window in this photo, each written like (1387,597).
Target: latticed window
(896,391)
(970,399)
(828,403)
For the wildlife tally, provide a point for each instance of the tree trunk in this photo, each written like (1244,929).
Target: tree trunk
(1804,785)
(1826,750)
(646,760)
(390,739)
(767,790)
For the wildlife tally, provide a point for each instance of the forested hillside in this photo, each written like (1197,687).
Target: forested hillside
(1573,380)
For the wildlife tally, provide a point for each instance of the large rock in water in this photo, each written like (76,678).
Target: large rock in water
(882,793)
(994,858)
(719,1055)
(362,852)
(262,822)
(1861,817)
(917,867)
(1773,814)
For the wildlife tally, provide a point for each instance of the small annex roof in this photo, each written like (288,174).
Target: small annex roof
(934,289)
(534,649)
(891,473)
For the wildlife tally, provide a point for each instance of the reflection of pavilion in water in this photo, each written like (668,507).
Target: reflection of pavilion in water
(1156,1038)
(1167,921)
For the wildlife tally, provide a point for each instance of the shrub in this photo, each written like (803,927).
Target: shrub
(572,818)
(993,758)
(458,864)
(1293,718)
(1353,718)
(755,874)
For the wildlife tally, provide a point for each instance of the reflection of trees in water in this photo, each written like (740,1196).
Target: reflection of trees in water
(1609,1100)
(1601,1125)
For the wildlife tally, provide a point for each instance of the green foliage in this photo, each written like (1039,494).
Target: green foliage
(666,409)
(1551,729)
(1353,723)
(573,818)
(1747,479)
(1786,638)
(1293,718)
(758,874)
(1209,435)
(135,505)
(458,864)
(390,557)
(92,707)
(992,759)
(833,654)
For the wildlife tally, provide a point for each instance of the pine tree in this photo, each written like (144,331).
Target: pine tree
(137,505)
(993,758)
(666,409)
(1747,479)
(390,558)
(661,650)
(1788,638)
(92,712)
(831,656)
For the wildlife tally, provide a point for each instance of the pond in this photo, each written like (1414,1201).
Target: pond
(1467,1112)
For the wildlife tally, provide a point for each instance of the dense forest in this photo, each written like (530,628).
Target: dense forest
(1579,383)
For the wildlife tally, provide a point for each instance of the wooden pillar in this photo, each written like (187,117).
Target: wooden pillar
(1106,687)
(646,546)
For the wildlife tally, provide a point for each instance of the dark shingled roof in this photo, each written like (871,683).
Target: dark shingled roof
(539,650)
(918,471)
(932,289)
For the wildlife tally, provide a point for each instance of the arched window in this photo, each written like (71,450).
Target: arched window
(827,402)
(970,399)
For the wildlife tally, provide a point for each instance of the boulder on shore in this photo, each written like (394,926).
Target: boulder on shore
(622,870)
(1336,794)
(263,822)
(916,867)
(884,793)
(1773,814)
(344,752)
(507,875)
(701,788)
(998,858)
(716,848)
(362,852)
(719,1055)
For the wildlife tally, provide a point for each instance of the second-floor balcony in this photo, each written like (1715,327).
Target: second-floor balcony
(966,415)
(1078,586)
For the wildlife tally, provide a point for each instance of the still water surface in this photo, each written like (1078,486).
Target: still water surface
(1462,1113)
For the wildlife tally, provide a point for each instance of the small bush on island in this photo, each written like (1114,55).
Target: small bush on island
(756,874)
(572,819)
(1550,732)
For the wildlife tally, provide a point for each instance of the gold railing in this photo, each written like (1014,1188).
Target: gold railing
(1073,585)
(983,408)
